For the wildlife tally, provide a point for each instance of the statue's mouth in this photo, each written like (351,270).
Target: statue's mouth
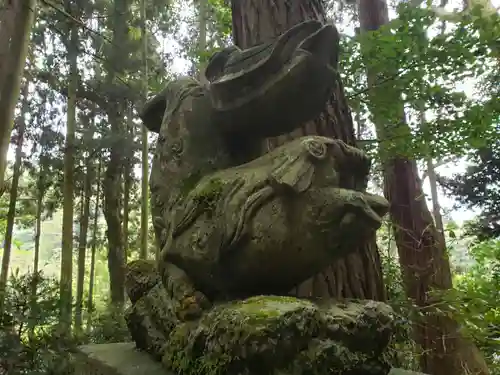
(366,216)
(377,208)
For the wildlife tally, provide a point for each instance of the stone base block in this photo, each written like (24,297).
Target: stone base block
(398,371)
(124,359)
(116,359)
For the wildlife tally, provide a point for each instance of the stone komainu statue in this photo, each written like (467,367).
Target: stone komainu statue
(236,231)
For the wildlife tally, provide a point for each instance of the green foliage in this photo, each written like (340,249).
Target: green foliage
(422,65)
(476,298)
(479,188)
(222,18)
(108,326)
(473,302)
(30,340)
(402,347)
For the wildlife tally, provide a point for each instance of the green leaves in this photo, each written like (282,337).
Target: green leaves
(477,294)
(444,73)
(134,33)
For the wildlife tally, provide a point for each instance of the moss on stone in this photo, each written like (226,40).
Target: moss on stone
(324,357)
(142,266)
(141,276)
(209,193)
(364,326)
(263,308)
(262,335)
(255,334)
(275,335)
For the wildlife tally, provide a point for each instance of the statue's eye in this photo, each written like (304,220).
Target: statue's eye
(177,146)
(316,148)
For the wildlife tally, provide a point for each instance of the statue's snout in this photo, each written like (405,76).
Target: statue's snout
(378,204)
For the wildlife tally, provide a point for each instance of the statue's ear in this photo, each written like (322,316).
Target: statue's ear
(153,111)
(217,63)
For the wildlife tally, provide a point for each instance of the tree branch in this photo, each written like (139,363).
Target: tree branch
(437,165)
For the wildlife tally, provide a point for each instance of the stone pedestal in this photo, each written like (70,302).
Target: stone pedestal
(124,359)
(398,371)
(116,359)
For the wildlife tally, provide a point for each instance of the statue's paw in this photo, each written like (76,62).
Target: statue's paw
(192,306)
(141,277)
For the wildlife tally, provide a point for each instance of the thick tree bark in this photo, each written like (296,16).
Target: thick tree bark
(358,275)
(12,61)
(421,247)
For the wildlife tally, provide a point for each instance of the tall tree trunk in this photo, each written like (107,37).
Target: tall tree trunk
(144,140)
(68,188)
(12,66)
(202,36)
(430,167)
(436,209)
(90,301)
(112,177)
(421,248)
(38,222)
(431,173)
(82,242)
(7,18)
(112,213)
(127,180)
(358,275)
(40,193)
(11,214)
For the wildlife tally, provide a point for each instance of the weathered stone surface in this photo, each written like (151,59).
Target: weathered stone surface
(125,359)
(399,371)
(265,226)
(267,84)
(272,335)
(231,225)
(279,335)
(243,231)
(141,278)
(116,359)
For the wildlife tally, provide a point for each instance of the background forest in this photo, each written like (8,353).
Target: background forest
(423,87)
